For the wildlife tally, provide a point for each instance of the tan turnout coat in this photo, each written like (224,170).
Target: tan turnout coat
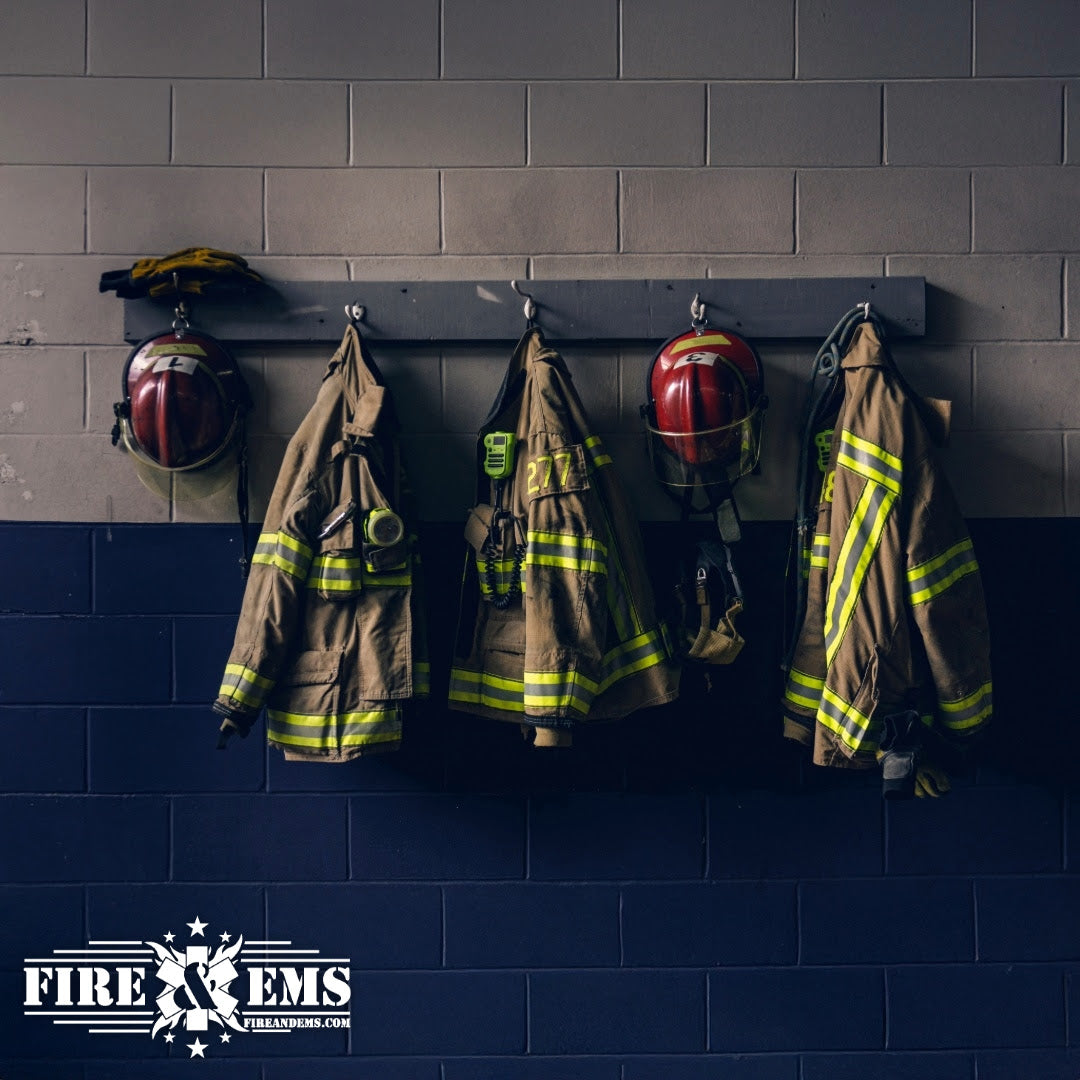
(330,638)
(895,617)
(583,640)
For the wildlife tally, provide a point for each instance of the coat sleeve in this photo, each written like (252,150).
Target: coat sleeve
(272,606)
(948,608)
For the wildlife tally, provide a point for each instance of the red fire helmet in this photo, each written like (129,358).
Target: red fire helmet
(705,408)
(184,403)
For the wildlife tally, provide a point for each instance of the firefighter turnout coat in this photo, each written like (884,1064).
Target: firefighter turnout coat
(558,623)
(895,620)
(330,638)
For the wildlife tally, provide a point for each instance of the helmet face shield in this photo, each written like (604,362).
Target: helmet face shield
(707,457)
(706,409)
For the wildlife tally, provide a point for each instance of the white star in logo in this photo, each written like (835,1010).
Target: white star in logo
(226,1037)
(226,936)
(169,937)
(197,928)
(197,1048)
(169,1036)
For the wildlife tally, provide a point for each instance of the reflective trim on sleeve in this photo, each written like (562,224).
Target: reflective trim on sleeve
(597,455)
(632,656)
(559,690)
(244,685)
(482,688)
(845,721)
(968,713)
(863,457)
(285,552)
(931,578)
(566,551)
(421,678)
(335,729)
(819,551)
(856,553)
(803,690)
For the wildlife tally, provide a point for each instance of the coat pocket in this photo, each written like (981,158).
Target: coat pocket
(309,685)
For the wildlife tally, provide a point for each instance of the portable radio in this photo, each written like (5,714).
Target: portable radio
(499,454)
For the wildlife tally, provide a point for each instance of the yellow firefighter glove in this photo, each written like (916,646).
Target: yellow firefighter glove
(192,270)
(930,782)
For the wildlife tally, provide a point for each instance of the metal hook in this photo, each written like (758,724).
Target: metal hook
(355,313)
(530,303)
(181,322)
(865,305)
(697,313)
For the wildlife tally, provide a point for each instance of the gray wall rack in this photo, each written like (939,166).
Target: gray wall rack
(300,312)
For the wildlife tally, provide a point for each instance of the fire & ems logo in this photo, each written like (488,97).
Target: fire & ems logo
(237,986)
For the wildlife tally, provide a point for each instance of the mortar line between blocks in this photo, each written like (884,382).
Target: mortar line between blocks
(442,924)
(975,919)
(263,42)
(528,124)
(885,1017)
(795,40)
(707,154)
(973,16)
(619,13)
(86,37)
(349,150)
(618,211)
(884,114)
(1064,298)
(440,31)
(1064,123)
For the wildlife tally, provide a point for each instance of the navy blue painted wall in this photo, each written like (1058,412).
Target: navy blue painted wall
(677,897)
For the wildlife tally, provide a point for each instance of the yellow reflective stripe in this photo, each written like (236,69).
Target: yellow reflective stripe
(856,553)
(930,579)
(844,720)
(566,551)
(284,552)
(345,740)
(819,550)
(799,688)
(870,461)
(968,712)
(244,685)
(598,456)
(338,729)
(632,656)
(505,578)
(483,688)
(559,690)
(421,676)
(698,341)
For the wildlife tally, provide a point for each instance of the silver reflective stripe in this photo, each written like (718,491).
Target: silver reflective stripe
(844,720)
(931,578)
(482,688)
(866,459)
(968,712)
(856,553)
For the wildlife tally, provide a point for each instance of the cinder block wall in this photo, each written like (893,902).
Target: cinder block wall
(680,896)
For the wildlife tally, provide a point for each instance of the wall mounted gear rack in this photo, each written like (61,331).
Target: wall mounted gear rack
(309,312)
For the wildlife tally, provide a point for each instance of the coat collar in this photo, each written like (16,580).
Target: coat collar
(865,349)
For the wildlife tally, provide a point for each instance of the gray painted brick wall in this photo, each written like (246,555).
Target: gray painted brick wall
(461,139)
